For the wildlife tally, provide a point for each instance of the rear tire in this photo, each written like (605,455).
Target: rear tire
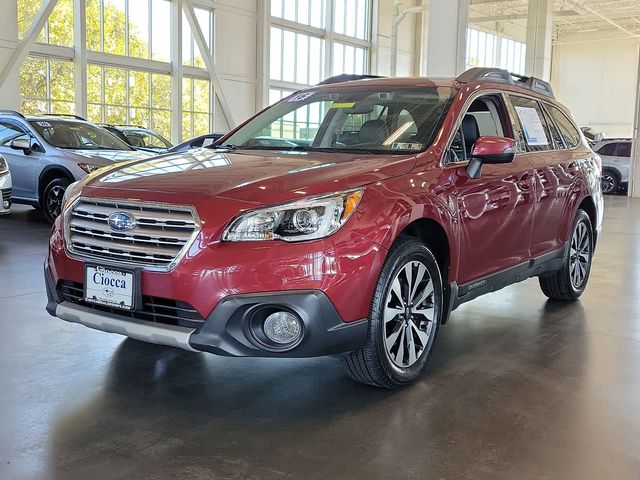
(404,318)
(51,202)
(568,283)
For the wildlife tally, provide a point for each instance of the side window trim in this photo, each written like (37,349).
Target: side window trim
(546,108)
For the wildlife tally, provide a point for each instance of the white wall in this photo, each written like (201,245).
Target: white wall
(596,80)
(407,50)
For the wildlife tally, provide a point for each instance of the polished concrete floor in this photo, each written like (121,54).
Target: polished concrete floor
(518,388)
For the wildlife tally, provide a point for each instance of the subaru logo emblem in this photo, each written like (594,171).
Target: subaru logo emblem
(121,222)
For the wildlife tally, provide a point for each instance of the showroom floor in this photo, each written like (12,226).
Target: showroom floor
(518,388)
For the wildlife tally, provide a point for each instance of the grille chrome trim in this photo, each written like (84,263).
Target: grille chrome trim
(160,239)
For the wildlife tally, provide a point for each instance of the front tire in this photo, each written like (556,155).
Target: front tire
(52,196)
(404,319)
(570,281)
(610,181)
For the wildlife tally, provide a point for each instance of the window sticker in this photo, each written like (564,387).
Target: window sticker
(534,131)
(406,146)
(300,97)
(343,105)
(44,124)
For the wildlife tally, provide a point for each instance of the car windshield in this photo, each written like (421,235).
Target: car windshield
(77,135)
(371,119)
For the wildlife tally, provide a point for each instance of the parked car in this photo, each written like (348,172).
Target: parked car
(616,161)
(46,153)
(5,186)
(452,189)
(140,138)
(592,135)
(203,141)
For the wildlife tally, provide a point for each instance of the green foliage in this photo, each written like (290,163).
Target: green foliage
(114,95)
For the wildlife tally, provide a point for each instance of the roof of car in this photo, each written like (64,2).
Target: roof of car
(491,77)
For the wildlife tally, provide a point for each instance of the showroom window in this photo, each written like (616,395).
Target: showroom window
(135,28)
(191,55)
(46,85)
(298,31)
(58,30)
(486,49)
(129,97)
(196,107)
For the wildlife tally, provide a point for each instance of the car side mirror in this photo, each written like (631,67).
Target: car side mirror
(492,150)
(21,144)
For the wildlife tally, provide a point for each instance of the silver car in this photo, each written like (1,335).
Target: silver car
(47,153)
(5,186)
(616,160)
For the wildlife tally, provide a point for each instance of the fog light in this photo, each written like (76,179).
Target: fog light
(282,328)
(6,204)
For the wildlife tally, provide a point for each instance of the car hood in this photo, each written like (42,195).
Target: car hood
(257,177)
(107,157)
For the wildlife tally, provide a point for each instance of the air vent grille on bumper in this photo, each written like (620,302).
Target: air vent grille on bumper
(158,237)
(6,195)
(153,309)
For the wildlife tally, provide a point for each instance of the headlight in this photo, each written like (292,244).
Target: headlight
(88,168)
(70,194)
(4,168)
(307,219)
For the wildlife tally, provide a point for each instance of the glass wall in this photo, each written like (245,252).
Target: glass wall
(129,69)
(486,49)
(47,85)
(301,40)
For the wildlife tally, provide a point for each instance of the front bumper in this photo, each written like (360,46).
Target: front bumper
(228,329)
(5,193)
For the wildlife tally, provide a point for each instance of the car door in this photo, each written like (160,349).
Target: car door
(23,167)
(546,151)
(496,209)
(568,166)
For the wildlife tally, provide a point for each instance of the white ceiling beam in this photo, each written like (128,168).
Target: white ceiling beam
(586,8)
(29,39)
(190,13)
(517,16)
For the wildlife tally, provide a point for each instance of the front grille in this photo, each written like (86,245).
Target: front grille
(158,239)
(153,309)
(6,195)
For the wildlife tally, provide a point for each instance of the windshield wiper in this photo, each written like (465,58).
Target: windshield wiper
(228,146)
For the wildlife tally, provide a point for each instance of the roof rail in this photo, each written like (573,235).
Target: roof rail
(11,112)
(70,115)
(345,77)
(498,75)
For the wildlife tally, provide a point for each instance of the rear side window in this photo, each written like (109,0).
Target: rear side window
(608,149)
(534,124)
(623,149)
(567,128)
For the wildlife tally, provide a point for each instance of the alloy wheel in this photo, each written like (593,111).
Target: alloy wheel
(608,183)
(54,201)
(409,314)
(580,255)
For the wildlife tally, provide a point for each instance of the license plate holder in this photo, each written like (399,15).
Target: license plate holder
(111,287)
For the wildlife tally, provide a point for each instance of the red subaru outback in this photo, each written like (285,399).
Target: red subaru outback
(349,218)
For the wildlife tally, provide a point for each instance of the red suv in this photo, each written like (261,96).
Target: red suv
(349,218)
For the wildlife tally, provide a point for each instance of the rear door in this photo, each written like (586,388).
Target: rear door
(547,153)
(496,209)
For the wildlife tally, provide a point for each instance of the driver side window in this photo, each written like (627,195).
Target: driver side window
(10,132)
(486,116)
